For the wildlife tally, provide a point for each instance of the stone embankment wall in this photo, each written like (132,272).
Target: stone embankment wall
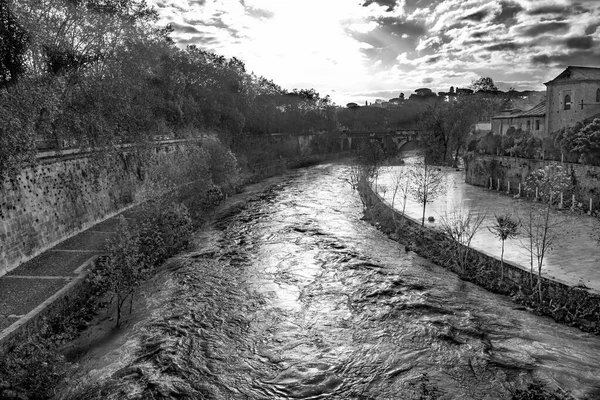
(480,168)
(576,306)
(63,195)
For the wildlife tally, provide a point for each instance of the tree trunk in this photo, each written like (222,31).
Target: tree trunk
(502,263)
(455,163)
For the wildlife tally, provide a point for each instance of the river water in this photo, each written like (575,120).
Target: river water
(293,296)
(572,258)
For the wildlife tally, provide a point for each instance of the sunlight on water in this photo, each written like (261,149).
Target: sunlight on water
(295,297)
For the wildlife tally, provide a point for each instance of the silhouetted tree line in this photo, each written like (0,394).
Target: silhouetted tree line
(80,73)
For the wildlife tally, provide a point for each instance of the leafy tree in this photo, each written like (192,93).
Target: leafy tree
(370,157)
(124,270)
(484,84)
(445,127)
(587,142)
(13,46)
(426,184)
(505,227)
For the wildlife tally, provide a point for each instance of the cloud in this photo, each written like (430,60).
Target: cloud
(582,42)
(399,27)
(591,29)
(547,9)
(544,27)
(364,47)
(504,46)
(259,12)
(390,4)
(508,13)
(181,28)
(577,57)
(476,16)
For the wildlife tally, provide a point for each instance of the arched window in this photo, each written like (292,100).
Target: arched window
(598,95)
(567,102)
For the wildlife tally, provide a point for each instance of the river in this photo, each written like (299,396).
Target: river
(293,296)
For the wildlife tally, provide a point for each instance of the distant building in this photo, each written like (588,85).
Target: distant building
(531,121)
(572,96)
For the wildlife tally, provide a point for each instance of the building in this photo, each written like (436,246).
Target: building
(532,121)
(572,96)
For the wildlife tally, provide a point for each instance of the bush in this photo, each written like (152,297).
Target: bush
(223,166)
(31,369)
(136,251)
(490,143)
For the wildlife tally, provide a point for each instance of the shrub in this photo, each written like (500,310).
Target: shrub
(135,251)
(490,143)
(223,166)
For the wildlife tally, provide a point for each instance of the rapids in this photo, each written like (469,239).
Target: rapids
(290,295)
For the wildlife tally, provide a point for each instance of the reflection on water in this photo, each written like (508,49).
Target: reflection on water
(294,297)
(573,258)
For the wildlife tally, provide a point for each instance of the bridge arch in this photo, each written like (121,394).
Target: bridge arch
(408,145)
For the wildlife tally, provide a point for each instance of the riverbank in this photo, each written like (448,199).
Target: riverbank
(291,295)
(47,302)
(572,305)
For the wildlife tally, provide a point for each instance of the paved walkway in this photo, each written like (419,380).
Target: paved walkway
(574,258)
(27,289)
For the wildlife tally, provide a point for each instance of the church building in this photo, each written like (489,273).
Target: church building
(571,97)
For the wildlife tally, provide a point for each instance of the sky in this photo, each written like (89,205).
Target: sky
(363,50)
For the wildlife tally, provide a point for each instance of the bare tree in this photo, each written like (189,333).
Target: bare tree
(541,228)
(505,227)
(426,184)
(461,225)
(400,186)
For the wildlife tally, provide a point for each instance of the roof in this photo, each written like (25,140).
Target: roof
(591,119)
(538,111)
(578,74)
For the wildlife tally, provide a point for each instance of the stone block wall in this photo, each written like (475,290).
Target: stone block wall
(480,168)
(61,196)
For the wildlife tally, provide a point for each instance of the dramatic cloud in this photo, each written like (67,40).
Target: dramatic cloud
(583,42)
(390,4)
(503,46)
(548,9)
(363,49)
(544,27)
(508,13)
(476,16)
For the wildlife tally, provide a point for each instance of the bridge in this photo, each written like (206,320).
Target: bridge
(392,140)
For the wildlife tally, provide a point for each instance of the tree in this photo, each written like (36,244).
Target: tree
(541,228)
(124,271)
(426,184)
(484,84)
(587,142)
(13,46)
(505,227)
(400,186)
(444,127)
(370,157)
(461,225)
